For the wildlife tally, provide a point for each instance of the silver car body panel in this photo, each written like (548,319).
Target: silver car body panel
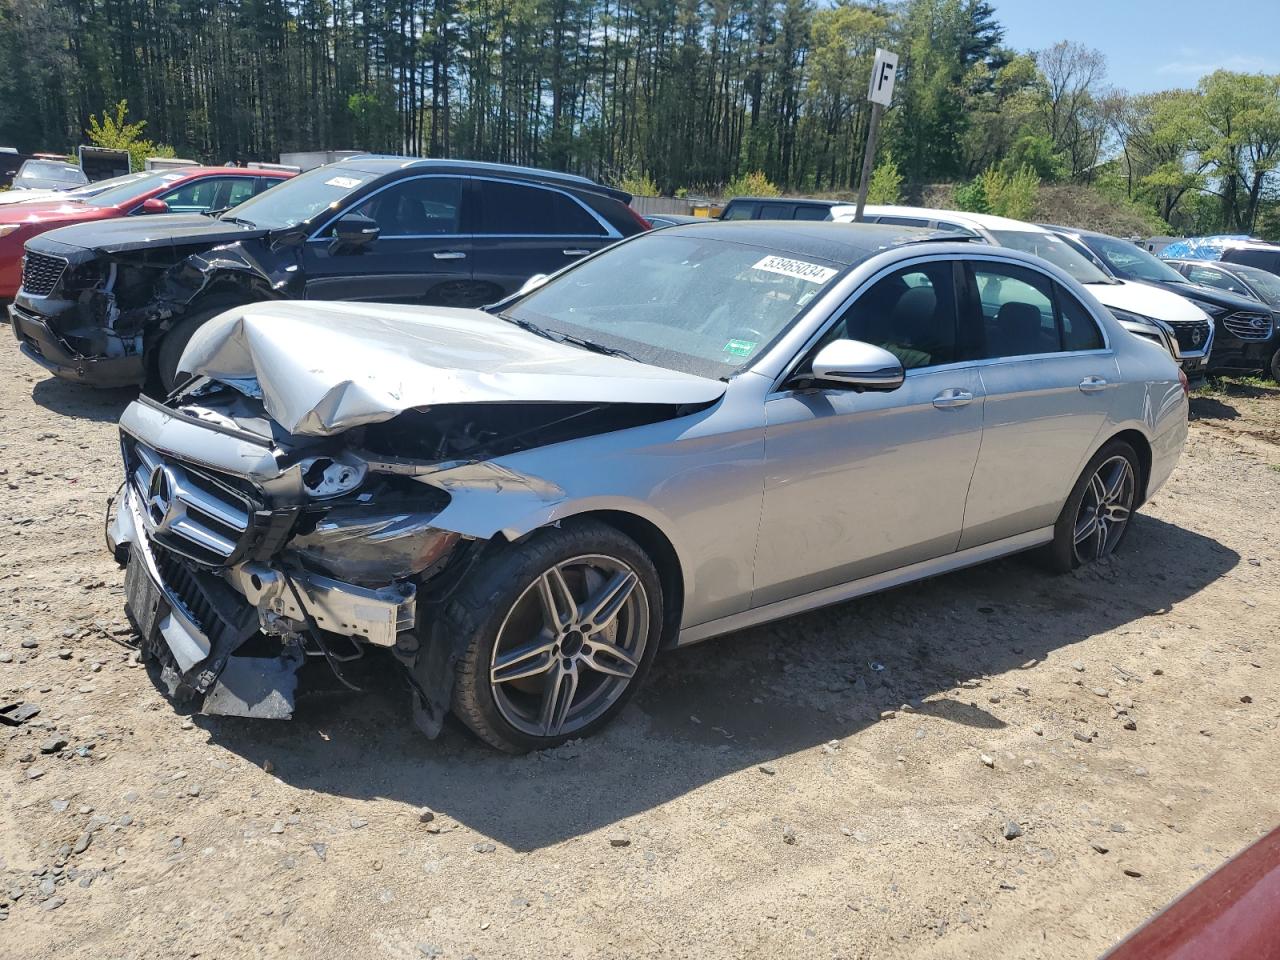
(774,501)
(323,368)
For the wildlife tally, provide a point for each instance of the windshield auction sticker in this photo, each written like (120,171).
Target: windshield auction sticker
(799,269)
(346,183)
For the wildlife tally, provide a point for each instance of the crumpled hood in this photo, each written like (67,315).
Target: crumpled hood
(1147,300)
(322,368)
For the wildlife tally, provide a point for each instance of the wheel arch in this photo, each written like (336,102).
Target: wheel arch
(1142,447)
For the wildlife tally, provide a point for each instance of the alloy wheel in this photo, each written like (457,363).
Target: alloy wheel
(1104,510)
(570,645)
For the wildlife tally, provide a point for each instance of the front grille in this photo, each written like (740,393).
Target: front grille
(1249,326)
(40,273)
(1191,335)
(189,510)
(184,585)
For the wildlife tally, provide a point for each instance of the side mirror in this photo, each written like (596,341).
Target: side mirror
(533,283)
(859,365)
(154,205)
(353,232)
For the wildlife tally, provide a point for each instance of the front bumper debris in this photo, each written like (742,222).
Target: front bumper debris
(40,344)
(194,621)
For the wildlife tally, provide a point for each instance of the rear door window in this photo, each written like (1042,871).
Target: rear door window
(739,211)
(1024,313)
(904,221)
(514,209)
(812,212)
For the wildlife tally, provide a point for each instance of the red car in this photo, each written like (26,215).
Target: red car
(1232,914)
(181,190)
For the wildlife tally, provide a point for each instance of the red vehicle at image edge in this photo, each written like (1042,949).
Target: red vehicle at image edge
(181,190)
(1232,914)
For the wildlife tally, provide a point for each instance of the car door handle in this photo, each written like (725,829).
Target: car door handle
(450,255)
(575,253)
(1093,384)
(952,397)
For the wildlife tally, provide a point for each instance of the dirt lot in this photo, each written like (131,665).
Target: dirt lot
(751,803)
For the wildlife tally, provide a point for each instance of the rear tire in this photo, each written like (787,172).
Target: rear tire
(539,667)
(1275,366)
(1096,516)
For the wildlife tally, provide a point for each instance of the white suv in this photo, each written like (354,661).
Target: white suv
(1146,311)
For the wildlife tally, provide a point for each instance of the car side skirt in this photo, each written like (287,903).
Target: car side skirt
(867,585)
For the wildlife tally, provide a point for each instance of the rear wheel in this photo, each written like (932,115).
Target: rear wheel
(1096,516)
(560,630)
(1275,366)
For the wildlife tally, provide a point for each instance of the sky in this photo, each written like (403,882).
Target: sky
(1153,44)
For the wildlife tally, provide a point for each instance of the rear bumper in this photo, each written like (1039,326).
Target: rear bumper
(41,345)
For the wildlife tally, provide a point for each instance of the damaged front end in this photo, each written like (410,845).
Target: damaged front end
(246,555)
(95,315)
(329,477)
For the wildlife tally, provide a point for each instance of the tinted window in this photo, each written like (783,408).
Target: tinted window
(1025,313)
(739,211)
(1264,259)
(513,209)
(777,211)
(1079,330)
(904,221)
(911,313)
(422,206)
(813,213)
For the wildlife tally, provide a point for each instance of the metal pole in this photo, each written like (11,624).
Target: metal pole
(868,158)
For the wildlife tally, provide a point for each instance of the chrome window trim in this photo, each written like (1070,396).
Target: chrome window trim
(609,234)
(901,262)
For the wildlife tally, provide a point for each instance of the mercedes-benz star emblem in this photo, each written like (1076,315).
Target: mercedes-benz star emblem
(160,490)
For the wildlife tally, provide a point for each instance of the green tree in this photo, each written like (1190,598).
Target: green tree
(117,133)
(886,182)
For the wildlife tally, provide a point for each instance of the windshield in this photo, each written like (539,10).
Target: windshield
(128,190)
(1054,249)
(301,198)
(1265,283)
(51,170)
(1130,262)
(101,186)
(697,305)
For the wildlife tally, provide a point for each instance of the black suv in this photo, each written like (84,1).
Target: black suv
(781,208)
(1246,332)
(116,302)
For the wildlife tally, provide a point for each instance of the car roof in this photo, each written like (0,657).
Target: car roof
(385,163)
(987,220)
(186,173)
(845,243)
(822,203)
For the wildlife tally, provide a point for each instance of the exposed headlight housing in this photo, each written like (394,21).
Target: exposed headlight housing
(372,547)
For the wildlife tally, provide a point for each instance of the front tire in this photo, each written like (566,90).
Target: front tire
(1096,516)
(559,631)
(179,335)
(1275,366)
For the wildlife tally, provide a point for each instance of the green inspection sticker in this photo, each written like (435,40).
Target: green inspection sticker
(740,348)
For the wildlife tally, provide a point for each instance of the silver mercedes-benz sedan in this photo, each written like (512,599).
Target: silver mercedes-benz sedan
(700,429)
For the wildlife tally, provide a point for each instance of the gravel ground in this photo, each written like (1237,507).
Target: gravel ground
(998,761)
